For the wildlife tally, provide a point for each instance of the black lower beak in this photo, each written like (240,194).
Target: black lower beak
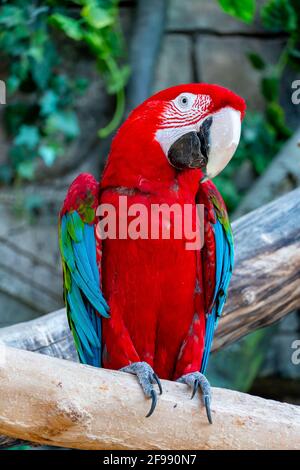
(191,150)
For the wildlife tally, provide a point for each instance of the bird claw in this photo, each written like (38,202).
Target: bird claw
(153,404)
(208,410)
(198,380)
(157,380)
(195,388)
(146,377)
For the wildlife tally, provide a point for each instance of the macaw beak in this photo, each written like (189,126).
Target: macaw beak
(225,135)
(212,147)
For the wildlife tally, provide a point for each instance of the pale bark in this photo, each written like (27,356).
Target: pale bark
(56,402)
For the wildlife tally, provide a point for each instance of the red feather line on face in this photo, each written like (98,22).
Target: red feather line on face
(174,117)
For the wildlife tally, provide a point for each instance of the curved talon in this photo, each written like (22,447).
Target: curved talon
(196,380)
(153,404)
(196,384)
(207,407)
(155,377)
(147,378)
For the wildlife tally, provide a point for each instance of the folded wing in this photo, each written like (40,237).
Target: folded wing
(83,296)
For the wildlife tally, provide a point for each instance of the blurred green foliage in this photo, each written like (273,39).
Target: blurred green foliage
(236,366)
(243,10)
(263,133)
(41,117)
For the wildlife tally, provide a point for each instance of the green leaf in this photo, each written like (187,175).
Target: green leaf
(48,103)
(94,41)
(20,68)
(69,26)
(28,136)
(276,117)
(13,84)
(65,122)
(42,70)
(37,45)
(48,154)
(256,60)
(118,79)
(279,15)
(11,16)
(26,169)
(243,10)
(96,16)
(270,88)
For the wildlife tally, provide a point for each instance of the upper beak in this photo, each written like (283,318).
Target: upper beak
(225,135)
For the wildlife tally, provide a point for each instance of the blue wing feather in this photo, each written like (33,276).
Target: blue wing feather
(224,266)
(84,297)
(89,237)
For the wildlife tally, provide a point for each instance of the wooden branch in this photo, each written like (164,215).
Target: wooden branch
(265,284)
(55,402)
(282,176)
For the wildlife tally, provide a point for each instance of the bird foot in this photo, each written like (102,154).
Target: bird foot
(146,377)
(196,381)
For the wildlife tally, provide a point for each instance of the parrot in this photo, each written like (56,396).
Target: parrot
(150,306)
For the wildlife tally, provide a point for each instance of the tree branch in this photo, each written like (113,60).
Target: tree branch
(55,402)
(282,175)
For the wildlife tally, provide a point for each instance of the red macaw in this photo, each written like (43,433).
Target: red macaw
(144,305)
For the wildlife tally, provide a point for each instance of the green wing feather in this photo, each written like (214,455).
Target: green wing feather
(82,292)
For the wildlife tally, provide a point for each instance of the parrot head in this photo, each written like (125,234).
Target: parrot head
(186,127)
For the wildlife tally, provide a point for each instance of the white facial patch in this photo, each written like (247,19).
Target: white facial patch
(182,115)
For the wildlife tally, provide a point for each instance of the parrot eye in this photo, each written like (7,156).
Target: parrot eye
(185,101)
